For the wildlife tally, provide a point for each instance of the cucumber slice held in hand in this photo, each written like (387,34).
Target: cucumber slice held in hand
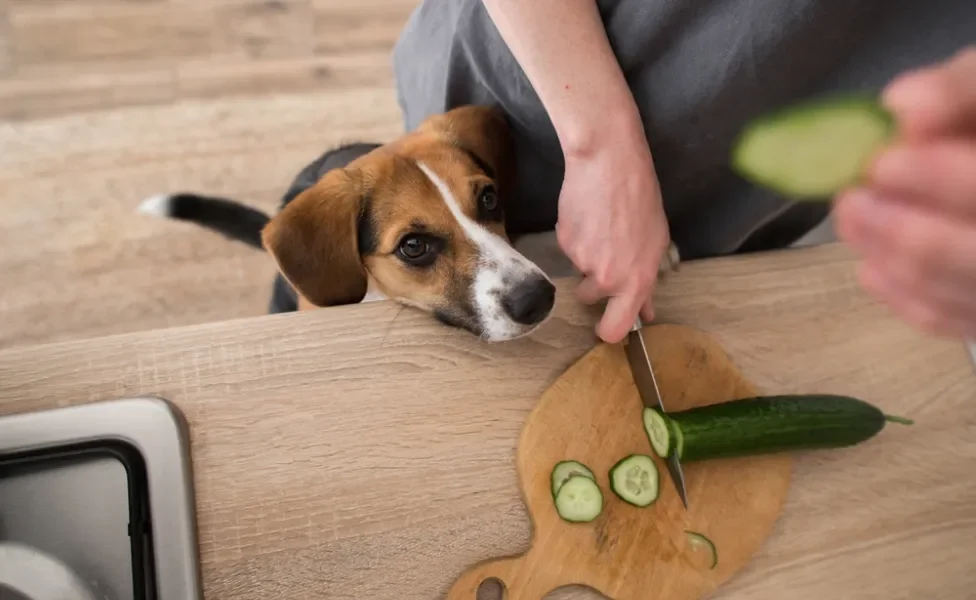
(566,469)
(635,480)
(814,149)
(579,500)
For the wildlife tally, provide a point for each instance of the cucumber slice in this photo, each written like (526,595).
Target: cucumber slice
(768,424)
(700,542)
(566,469)
(579,500)
(635,480)
(658,431)
(813,149)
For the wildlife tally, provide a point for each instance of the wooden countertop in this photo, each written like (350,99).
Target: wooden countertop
(367,452)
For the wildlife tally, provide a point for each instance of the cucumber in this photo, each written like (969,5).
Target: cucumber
(579,500)
(658,430)
(566,469)
(768,424)
(699,541)
(813,149)
(635,480)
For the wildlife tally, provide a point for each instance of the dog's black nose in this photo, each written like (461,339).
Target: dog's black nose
(530,301)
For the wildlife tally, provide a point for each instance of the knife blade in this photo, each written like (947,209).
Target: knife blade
(643,372)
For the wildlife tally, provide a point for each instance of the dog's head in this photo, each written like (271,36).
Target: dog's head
(421,220)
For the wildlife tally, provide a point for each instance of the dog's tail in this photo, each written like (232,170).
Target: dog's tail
(227,217)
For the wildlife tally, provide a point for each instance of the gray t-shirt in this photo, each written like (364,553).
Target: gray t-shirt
(699,69)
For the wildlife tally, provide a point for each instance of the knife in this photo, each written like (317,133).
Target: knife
(643,372)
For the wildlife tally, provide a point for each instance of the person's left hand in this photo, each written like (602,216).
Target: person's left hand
(913,220)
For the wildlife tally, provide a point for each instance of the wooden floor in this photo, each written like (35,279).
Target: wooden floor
(105,102)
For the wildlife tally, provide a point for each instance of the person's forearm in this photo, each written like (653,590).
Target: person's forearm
(563,49)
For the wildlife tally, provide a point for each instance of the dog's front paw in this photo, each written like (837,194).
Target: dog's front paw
(671,260)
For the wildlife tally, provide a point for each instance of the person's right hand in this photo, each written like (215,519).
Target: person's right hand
(612,226)
(611,223)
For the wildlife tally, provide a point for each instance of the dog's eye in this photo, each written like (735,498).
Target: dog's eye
(413,248)
(489,199)
(418,250)
(488,205)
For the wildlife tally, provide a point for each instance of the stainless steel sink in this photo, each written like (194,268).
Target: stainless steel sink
(97,503)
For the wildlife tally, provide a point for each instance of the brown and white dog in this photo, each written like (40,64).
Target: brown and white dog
(419,220)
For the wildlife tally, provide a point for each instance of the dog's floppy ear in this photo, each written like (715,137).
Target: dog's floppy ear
(314,240)
(483,132)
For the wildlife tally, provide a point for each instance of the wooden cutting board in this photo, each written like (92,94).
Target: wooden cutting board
(592,414)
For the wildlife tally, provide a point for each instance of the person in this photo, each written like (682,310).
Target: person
(624,112)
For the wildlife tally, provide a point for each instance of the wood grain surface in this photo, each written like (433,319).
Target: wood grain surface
(593,414)
(59,57)
(367,452)
(106,102)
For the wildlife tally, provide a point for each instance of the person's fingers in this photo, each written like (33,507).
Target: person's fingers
(618,318)
(940,174)
(916,310)
(922,240)
(950,297)
(855,216)
(913,261)
(949,294)
(847,217)
(647,310)
(589,291)
(937,99)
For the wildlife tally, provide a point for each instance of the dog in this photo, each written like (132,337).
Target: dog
(419,220)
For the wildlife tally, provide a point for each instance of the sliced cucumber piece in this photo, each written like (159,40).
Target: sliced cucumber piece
(700,542)
(658,431)
(635,480)
(813,149)
(579,500)
(566,469)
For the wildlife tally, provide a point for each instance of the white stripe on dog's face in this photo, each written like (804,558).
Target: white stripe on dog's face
(499,271)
